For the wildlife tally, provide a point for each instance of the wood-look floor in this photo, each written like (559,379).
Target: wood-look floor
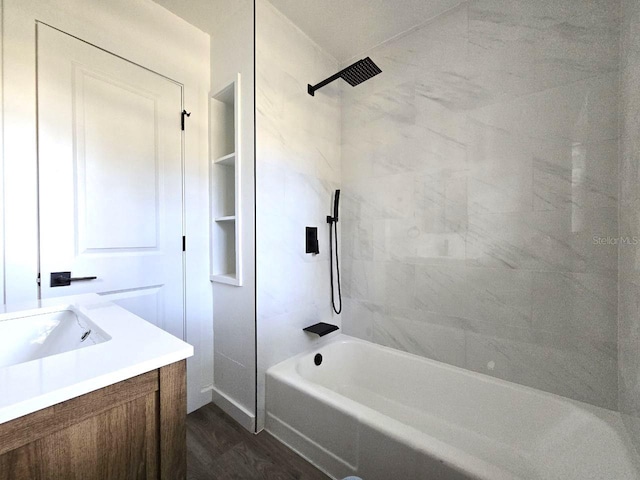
(220,449)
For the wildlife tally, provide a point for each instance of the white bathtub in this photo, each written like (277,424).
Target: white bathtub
(379,413)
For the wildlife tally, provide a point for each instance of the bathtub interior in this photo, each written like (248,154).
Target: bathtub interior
(32,337)
(393,383)
(362,391)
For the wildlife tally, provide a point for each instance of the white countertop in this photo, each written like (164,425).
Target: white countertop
(135,347)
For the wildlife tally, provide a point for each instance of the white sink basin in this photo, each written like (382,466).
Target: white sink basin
(45,361)
(27,338)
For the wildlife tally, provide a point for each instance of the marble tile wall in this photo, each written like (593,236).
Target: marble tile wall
(629,254)
(479,173)
(297,170)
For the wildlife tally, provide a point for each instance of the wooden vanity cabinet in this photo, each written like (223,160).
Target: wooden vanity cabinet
(134,429)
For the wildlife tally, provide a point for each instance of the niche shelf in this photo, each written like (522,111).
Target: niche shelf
(229,218)
(229,160)
(224,185)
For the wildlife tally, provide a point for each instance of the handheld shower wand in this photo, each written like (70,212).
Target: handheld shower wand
(336,203)
(331,221)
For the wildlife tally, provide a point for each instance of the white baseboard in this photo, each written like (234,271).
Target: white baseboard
(236,411)
(197,398)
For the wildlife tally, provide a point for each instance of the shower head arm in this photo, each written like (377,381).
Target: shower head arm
(311,89)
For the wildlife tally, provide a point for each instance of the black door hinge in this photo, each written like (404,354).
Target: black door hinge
(184,243)
(182,115)
(38,280)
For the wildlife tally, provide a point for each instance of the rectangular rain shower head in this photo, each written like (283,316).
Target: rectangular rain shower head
(354,75)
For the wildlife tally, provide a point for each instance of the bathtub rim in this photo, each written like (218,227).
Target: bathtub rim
(284,367)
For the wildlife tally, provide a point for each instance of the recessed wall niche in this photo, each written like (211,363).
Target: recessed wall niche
(226,222)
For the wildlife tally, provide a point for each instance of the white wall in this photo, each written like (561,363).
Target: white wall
(141,32)
(230,26)
(234,308)
(297,170)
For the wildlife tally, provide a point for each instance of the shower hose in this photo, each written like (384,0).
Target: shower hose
(331,240)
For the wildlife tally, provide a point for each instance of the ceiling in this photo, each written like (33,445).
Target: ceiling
(348,28)
(344,28)
(206,15)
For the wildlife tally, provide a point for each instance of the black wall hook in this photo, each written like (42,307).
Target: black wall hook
(184,114)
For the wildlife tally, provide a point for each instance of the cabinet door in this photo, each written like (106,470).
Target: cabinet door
(120,443)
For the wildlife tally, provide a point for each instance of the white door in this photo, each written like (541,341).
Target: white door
(110,179)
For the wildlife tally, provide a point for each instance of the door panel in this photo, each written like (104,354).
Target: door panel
(110,178)
(117,165)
